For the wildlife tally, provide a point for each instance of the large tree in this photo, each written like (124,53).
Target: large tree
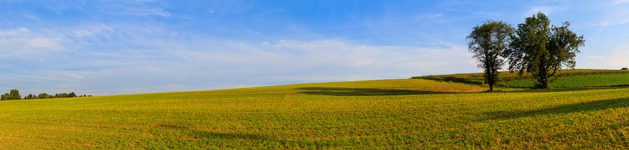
(543,49)
(13,94)
(487,43)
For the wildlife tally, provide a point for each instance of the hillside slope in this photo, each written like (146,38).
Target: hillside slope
(406,113)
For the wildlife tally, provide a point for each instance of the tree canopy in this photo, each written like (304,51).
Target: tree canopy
(487,43)
(12,95)
(543,49)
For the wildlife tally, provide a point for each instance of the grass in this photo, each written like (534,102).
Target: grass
(565,78)
(380,114)
(601,80)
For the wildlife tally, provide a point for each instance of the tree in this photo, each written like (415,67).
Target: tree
(30,96)
(61,95)
(14,94)
(72,94)
(487,43)
(5,96)
(542,49)
(43,96)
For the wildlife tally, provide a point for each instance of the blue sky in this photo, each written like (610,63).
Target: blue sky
(126,46)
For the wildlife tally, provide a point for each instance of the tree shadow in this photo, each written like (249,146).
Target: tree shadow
(216,135)
(335,91)
(203,134)
(564,109)
(452,79)
(230,135)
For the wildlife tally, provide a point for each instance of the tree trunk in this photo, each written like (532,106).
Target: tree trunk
(543,83)
(491,87)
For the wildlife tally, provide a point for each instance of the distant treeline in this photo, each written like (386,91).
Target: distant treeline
(14,94)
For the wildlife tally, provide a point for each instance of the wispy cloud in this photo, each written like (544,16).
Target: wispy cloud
(614,59)
(548,10)
(614,21)
(429,16)
(198,64)
(618,2)
(91,30)
(613,14)
(147,12)
(22,42)
(135,8)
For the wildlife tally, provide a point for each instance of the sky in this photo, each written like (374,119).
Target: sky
(138,46)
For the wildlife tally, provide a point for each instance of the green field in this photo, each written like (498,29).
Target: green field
(605,80)
(563,79)
(387,114)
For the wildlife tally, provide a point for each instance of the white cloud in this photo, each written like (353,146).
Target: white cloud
(149,12)
(429,16)
(613,15)
(343,56)
(141,12)
(548,10)
(618,2)
(616,21)
(205,64)
(91,30)
(13,32)
(40,42)
(22,42)
(614,59)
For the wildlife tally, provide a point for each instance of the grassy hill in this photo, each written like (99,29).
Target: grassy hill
(403,113)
